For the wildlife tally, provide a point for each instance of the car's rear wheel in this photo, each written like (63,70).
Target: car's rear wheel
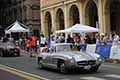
(40,64)
(63,68)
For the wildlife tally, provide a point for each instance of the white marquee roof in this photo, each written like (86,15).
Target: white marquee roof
(78,28)
(17,27)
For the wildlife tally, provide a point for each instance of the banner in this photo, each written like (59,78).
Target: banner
(115,52)
(103,50)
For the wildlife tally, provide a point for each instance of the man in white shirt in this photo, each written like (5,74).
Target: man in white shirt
(42,41)
(116,38)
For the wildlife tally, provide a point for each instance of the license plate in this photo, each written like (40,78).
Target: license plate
(87,67)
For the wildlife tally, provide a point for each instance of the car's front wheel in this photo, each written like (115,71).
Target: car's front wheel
(18,54)
(1,53)
(94,69)
(63,68)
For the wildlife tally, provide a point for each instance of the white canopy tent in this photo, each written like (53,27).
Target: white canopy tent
(78,28)
(17,27)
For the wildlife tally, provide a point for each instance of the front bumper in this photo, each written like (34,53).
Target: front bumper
(12,52)
(83,66)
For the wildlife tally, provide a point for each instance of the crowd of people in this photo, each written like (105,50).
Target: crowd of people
(104,38)
(77,39)
(33,43)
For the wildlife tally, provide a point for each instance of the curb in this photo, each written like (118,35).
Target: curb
(114,61)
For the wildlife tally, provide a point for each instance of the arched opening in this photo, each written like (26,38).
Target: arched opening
(115,15)
(74,15)
(48,24)
(60,20)
(91,14)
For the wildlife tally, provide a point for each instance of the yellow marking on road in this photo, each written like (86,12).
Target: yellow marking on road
(23,74)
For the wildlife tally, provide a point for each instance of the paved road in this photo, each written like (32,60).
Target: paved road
(28,64)
(8,76)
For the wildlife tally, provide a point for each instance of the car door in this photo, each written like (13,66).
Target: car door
(50,58)
(47,59)
(53,58)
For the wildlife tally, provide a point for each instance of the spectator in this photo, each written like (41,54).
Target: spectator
(61,38)
(102,38)
(42,41)
(11,39)
(33,44)
(28,45)
(116,38)
(5,39)
(87,40)
(105,39)
(97,36)
(69,39)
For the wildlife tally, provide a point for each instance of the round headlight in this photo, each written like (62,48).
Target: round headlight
(99,59)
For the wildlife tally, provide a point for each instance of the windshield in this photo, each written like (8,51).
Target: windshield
(66,48)
(63,48)
(10,44)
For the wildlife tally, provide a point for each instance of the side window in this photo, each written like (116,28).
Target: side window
(54,49)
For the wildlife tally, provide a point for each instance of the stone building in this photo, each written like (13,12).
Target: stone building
(25,11)
(61,14)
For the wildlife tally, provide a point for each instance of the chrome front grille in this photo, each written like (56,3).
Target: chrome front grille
(90,62)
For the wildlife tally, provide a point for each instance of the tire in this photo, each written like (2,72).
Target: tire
(18,54)
(63,68)
(40,64)
(94,69)
(1,53)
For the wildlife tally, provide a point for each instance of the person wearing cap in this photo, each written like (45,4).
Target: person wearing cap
(103,38)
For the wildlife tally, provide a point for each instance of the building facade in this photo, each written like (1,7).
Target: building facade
(61,14)
(25,11)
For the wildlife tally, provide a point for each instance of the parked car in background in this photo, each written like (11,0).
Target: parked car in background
(63,57)
(9,48)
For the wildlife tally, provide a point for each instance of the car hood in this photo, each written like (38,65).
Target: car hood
(10,47)
(79,56)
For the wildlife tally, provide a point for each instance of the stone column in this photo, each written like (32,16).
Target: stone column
(81,13)
(53,20)
(106,15)
(42,22)
(100,16)
(66,16)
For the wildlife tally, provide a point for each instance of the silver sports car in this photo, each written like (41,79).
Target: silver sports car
(9,49)
(63,57)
